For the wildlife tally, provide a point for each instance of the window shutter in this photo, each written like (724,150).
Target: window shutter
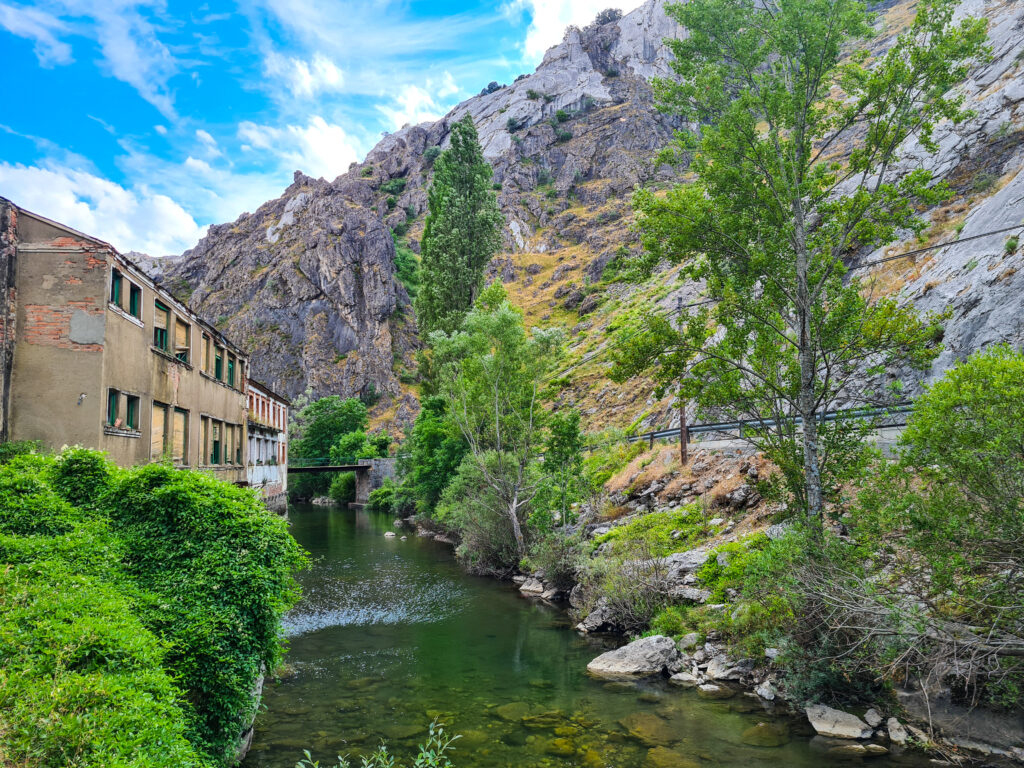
(179,442)
(157,434)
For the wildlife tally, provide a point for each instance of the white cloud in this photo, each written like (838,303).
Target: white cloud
(132,50)
(130,219)
(416,104)
(40,27)
(317,149)
(161,129)
(206,138)
(304,78)
(549,18)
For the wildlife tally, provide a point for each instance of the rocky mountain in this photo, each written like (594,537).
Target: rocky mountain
(308,282)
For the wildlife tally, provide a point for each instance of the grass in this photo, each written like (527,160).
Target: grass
(657,528)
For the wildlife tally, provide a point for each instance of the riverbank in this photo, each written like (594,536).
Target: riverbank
(722,486)
(391,634)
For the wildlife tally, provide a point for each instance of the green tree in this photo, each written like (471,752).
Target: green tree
(563,461)
(490,375)
(317,426)
(461,234)
(779,90)
(950,514)
(434,450)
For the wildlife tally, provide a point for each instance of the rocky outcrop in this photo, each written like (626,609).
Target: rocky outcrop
(307,284)
(647,656)
(837,724)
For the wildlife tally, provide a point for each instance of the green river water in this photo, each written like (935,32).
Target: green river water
(391,634)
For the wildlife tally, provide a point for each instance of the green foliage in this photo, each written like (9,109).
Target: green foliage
(383,500)
(434,450)
(366,172)
(955,500)
(562,134)
(565,483)
(19,448)
(512,125)
(431,154)
(343,488)
(765,227)
(461,233)
(393,186)
(1011,245)
(474,506)
(560,557)
(315,427)
(136,623)
(533,95)
(407,268)
(655,530)
(672,621)
(562,116)
(490,374)
(432,754)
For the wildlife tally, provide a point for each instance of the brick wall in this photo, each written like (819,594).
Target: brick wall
(51,326)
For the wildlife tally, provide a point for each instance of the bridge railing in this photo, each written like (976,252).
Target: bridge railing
(320,461)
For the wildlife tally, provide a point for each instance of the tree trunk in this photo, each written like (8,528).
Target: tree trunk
(806,396)
(517,529)
(684,433)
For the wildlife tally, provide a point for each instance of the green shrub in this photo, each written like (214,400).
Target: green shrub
(219,567)
(393,186)
(657,528)
(391,202)
(343,488)
(134,626)
(382,500)
(1011,245)
(431,154)
(19,448)
(562,134)
(367,172)
(673,621)
(532,94)
(560,557)
(562,116)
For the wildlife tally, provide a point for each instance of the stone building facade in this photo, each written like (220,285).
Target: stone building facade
(267,464)
(95,354)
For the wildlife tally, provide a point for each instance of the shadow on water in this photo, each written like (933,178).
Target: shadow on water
(391,634)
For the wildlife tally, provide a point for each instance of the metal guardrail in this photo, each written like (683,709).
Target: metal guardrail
(321,461)
(897,411)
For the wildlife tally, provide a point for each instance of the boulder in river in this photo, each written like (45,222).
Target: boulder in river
(836,723)
(532,586)
(647,656)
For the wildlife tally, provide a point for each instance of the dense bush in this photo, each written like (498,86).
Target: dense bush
(343,488)
(139,608)
(431,154)
(393,186)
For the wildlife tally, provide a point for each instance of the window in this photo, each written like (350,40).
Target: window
(179,443)
(116,282)
(218,363)
(161,319)
(159,433)
(134,300)
(181,347)
(238,445)
(215,443)
(205,353)
(112,398)
(231,370)
(132,412)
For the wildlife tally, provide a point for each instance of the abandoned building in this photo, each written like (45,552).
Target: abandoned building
(267,464)
(95,354)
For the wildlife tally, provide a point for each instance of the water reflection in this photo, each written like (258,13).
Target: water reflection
(390,635)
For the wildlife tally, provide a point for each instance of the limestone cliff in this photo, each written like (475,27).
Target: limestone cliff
(308,281)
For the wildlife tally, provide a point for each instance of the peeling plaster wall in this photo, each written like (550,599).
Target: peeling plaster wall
(8,262)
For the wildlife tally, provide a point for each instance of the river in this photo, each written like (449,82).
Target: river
(391,634)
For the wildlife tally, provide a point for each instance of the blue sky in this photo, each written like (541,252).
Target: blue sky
(144,122)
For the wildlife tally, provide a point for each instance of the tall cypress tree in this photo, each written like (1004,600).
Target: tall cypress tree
(461,235)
